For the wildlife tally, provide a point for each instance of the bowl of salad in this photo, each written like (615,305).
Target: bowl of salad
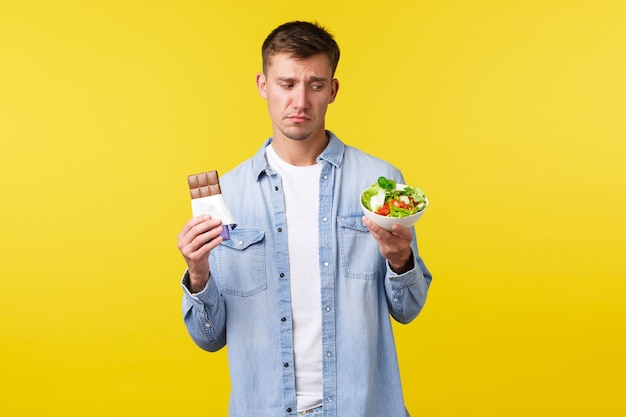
(387,203)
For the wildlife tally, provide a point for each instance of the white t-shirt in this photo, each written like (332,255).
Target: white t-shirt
(301,187)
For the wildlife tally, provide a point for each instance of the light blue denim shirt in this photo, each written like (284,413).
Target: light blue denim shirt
(246,302)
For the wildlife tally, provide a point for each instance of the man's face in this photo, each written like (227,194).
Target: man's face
(298,92)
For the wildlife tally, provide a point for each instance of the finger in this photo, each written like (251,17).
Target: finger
(190,225)
(378,232)
(195,229)
(206,236)
(195,254)
(195,221)
(402,232)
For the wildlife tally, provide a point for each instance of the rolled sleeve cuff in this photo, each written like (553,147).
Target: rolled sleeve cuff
(208,295)
(406,278)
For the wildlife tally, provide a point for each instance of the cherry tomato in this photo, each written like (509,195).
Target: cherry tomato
(384,210)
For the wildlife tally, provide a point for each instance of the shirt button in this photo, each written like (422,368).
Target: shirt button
(329,399)
(240,242)
(280,229)
(289,410)
(329,354)
(283,319)
(395,300)
(282,275)
(324,219)
(327,308)
(326,264)
(207,325)
(286,365)
(276,188)
(325,177)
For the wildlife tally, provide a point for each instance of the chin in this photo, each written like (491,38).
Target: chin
(296,134)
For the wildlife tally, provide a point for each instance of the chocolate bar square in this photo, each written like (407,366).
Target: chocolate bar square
(204,184)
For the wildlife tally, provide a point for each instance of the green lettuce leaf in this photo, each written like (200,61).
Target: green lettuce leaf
(384,190)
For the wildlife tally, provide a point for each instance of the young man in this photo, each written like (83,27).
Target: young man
(303,291)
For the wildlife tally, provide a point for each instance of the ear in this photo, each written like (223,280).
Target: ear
(261,84)
(334,88)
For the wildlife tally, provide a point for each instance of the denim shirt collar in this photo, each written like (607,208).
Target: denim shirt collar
(333,154)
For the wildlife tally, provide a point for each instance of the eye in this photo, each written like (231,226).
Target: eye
(286,86)
(317,87)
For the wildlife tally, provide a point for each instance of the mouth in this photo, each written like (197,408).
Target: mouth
(298,118)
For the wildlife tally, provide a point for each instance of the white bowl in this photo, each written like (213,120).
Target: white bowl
(386,222)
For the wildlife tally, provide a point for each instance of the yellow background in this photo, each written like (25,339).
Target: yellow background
(510,114)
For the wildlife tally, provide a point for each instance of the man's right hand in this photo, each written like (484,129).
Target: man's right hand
(199,236)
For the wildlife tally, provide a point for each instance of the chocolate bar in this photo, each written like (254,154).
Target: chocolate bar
(206,198)
(204,184)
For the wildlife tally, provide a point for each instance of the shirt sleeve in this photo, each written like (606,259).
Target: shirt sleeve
(406,293)
(204,315)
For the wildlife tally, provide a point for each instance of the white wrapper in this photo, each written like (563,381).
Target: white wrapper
(216,207)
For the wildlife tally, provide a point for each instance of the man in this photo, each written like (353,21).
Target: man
(303,290)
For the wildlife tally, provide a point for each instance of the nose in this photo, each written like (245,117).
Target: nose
(300,98)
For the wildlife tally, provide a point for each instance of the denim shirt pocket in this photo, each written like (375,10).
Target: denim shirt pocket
(240,263)
(359,253)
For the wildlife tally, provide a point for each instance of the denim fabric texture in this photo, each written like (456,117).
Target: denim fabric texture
(316,412)
(246,302)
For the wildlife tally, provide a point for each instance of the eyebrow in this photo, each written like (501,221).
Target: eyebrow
(309,80)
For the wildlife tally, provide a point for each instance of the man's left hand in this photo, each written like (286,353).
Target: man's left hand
(395,245)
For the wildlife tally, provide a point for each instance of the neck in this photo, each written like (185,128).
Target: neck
(300,152)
